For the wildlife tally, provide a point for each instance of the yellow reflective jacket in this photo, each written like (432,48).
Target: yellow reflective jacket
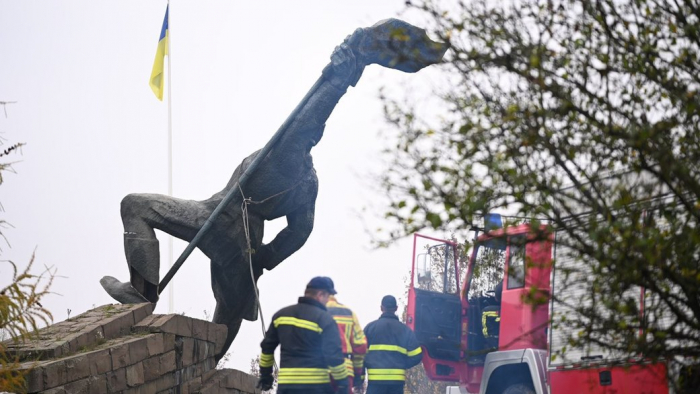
(352,338)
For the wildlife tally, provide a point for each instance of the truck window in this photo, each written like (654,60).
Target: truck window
(435,269)
(488,267)
(516,263)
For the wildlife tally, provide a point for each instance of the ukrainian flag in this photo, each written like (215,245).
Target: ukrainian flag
(157,82)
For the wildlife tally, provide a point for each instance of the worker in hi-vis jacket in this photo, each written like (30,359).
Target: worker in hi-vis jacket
(310,346)
(393,348)
(352,341)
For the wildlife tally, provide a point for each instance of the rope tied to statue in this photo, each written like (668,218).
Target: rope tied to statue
(244,213)
(246,229)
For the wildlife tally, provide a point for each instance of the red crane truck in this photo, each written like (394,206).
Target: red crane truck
(516,355)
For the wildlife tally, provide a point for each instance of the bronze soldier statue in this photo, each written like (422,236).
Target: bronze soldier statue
(284,183)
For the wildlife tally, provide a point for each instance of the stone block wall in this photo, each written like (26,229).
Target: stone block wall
(126,349)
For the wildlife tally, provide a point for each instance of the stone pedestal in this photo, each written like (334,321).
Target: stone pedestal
(127,349)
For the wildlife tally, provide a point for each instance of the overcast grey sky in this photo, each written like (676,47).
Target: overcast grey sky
(95,132)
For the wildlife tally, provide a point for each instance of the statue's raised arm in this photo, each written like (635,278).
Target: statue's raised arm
(276,181)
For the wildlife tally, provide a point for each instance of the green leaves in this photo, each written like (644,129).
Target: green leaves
(21,315)
(434,219)
(586,117)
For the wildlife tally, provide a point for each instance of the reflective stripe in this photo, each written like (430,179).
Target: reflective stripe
(388,348)
(387,377)
(293,321)
(386,374)
(349,367)
(319,371)
(338,368)
(303,376)
(340,375)
(339,371)
(382,371)
(343,319)
(358,360)
(289,380)
(414,352)
(303,380)
(266,360)
(484,316)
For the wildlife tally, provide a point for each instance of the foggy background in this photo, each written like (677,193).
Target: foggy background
(95,132)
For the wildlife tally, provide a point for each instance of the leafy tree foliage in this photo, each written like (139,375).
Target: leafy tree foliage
(583,115)
(21,312)
(418,382)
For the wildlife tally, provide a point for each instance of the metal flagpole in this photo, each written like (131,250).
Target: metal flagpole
(171,291)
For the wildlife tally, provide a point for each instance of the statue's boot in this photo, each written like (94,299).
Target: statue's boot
(143,257)
(123,292)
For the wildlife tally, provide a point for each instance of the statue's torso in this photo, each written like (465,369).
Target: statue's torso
(283,182)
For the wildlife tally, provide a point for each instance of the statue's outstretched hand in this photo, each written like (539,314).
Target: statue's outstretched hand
(345,68)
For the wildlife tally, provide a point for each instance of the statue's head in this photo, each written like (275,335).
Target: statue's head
(396,44)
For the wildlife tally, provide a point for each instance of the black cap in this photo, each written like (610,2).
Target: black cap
(389,302)
(322,283)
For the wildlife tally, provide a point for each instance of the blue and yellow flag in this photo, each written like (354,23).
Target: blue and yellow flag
(157,82)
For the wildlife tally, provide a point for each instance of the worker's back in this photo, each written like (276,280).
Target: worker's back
(310,345)
(352,339)
(393,348)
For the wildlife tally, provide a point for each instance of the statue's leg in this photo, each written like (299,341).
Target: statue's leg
(231,279)
(141,214)
(224,316)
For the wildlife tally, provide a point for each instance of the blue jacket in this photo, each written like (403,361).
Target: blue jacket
(393,348)
(310,344)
